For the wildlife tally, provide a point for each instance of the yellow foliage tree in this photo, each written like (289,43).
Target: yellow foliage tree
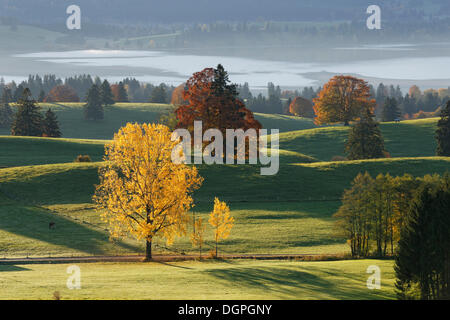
(142,192)
(197,234)
(221,221)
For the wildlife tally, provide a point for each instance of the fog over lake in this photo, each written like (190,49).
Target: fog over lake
(174,68)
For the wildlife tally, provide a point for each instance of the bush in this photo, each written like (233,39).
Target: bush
(339,158)
(83,158)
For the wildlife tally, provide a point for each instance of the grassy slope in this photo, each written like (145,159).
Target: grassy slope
(294,207)
(70,116)
(237,279)
(290,212)
(413,138)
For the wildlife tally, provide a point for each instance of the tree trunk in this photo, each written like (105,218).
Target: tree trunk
(148,250)
(216,248)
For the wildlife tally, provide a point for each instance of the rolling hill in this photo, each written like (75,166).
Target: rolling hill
(290,212)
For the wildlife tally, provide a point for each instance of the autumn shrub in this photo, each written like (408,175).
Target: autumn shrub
(338,158)
(83,158)
(62,93)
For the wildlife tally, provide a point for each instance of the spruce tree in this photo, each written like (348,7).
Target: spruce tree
(443,132)
(41,96)
(391,110)
(422,264)
(365,140)
(159,94)
(93,109)
(28,119)
(50,125)
(122,95)
(6,113)
(106,94)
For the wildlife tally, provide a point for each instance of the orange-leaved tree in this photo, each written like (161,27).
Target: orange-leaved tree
(177,95)
(301,107)
(343,99)
(62,93)
(221,221)
(142,192)
(214,101)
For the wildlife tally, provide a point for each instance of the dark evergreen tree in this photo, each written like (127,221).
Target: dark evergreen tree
(28,119)
(391,111)
(50,125)
(18,93)
(6,113)
(159,94)
(106,94)
(443,132)
(365,140)
(93,109)
(41,96)
(122,95)
(422,265)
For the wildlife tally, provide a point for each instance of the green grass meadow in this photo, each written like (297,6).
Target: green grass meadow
(232,279)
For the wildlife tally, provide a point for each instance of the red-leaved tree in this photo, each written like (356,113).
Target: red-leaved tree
(62,93)
(214,101)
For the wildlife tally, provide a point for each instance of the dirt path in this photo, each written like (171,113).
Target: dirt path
(160,258)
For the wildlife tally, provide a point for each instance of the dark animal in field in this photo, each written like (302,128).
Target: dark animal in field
(52,225)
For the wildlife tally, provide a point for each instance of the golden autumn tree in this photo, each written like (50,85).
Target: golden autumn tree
(221,221)
(143,193)
(197,235)
(343,99)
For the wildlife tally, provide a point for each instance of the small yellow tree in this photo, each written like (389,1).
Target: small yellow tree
(142,192)
(197,234)
(221,221)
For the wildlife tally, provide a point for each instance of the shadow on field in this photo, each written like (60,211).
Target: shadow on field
(32,222)
(10,268)
(293,283)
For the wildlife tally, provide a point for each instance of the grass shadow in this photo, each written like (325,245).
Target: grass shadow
(66,233)
(11,268)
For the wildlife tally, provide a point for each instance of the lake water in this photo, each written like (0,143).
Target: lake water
(156,66)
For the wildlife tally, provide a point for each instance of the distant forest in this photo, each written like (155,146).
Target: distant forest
(412,104)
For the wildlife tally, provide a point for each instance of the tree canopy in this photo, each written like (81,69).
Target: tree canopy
(142,192)
(343,99)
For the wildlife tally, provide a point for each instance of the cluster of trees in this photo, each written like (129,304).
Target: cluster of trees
(346,99)
(102,96)
(406,217)
(374,211)
(143,193)
(271,104)
(422,263)
(29,121)
(73,89)
(392,103)
(220,220)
